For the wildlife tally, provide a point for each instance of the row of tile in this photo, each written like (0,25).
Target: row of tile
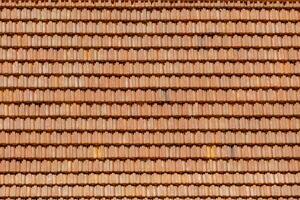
(149,138)
(147,69)
(150,152)
(168,4)
(193,14)
(150,166)
(150,124)
(153,28)
(149,55)
(150,110)
(151,179)
(151,191)
(149,96)
(148,41)
(150,82)
(153,198)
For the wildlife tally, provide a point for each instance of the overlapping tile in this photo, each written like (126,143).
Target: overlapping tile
(140,100)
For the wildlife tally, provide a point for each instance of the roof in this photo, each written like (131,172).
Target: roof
(149,100)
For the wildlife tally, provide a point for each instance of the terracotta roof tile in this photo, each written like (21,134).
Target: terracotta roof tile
(149,100)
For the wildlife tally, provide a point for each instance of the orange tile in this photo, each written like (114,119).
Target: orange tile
(161,100)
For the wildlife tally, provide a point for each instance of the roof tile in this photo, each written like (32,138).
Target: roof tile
(170,100)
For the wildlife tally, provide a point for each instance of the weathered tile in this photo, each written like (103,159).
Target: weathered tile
(155,100)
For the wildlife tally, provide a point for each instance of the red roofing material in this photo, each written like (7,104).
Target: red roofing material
(150,100)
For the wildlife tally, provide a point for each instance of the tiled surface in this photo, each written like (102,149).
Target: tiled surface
(149,100)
